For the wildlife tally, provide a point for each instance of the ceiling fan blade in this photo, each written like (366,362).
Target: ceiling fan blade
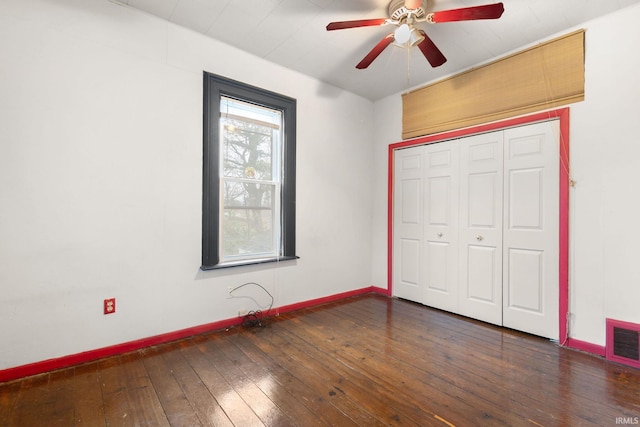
(488,11)
(342,25)
(431,51)
(377,50)
(412,4)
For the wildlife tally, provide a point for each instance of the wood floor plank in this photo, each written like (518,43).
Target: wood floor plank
(205,405)
(238,411)
(368,390)
(117,407)
(314,398)
(326,382)
(8,401)
(142,394)
(34,404)
(55,399)
(368,360)
(57,406)
(86,398)
(260,403)
(265,379)
(175,403)
(128,393)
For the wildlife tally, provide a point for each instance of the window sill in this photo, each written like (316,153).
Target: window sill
(247,262)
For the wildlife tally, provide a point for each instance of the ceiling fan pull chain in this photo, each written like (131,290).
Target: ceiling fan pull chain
(408,68)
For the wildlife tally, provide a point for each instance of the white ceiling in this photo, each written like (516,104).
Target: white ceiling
(292,33)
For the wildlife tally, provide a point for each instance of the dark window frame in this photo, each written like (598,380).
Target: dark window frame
(215,87)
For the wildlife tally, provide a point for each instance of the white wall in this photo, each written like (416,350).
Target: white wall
(604,150)
(604,270)
(101,180)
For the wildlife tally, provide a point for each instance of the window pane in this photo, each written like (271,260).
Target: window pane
(249,133)
(248,219)
(247,150)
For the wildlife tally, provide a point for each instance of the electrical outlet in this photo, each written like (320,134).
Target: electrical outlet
(109,306)
(243,312)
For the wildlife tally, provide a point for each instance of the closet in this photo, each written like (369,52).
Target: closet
(476,226)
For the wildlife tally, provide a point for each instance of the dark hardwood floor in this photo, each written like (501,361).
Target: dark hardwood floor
(364,361)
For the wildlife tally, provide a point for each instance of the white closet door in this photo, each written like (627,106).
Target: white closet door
(440,266)
(531,221)
(481,173)
(408,218)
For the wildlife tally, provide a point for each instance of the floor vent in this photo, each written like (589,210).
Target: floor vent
(623,342)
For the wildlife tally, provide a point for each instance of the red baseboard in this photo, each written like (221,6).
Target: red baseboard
(330,298)
(585,346)
(91,355)
(100,353)
(382,291)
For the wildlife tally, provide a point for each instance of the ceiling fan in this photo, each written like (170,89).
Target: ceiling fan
(405,14)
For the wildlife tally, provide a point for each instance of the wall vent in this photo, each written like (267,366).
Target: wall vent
(623,342)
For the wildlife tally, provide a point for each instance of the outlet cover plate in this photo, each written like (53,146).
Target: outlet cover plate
(109,306)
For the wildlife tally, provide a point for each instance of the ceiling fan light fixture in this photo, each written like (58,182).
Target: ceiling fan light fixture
(402,35)
(407,36)
(416,37)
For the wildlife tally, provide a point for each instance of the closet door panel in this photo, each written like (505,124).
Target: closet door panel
(480,266)
(440,268)
(531,229)
(408,224)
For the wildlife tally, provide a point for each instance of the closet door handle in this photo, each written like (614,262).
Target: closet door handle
(439,234)
(479,238)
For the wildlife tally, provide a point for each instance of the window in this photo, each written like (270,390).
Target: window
(248,210)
